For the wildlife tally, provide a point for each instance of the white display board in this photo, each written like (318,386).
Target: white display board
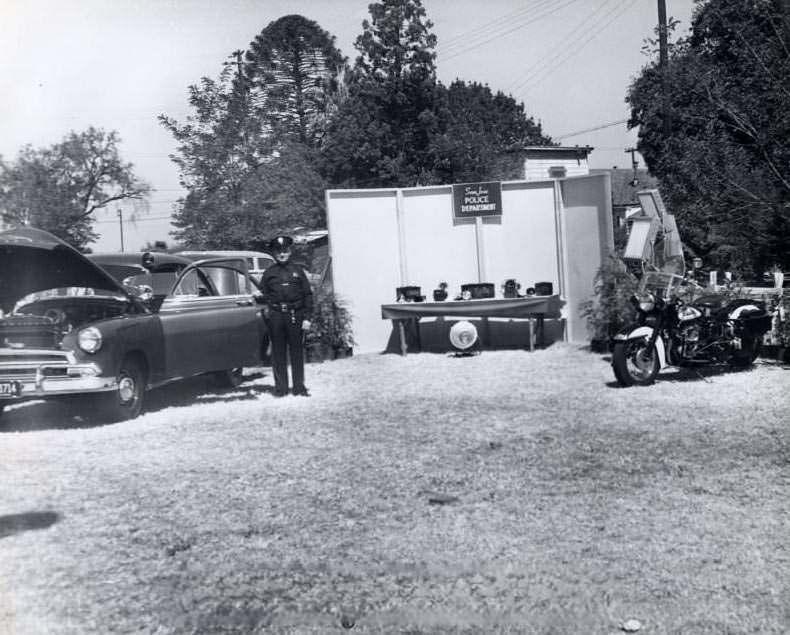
(382,239)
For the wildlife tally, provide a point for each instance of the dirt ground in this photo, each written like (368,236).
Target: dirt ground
(511,492)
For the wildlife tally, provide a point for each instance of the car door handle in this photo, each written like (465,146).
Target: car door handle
(244,302)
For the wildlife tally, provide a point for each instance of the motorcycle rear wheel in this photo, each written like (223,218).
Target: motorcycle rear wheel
(634,363)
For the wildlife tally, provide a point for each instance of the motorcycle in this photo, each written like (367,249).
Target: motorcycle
(669,331)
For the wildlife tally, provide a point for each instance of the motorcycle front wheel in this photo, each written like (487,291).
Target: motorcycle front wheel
(634,362)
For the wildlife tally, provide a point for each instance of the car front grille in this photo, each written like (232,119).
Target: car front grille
(28,331)
(28,365)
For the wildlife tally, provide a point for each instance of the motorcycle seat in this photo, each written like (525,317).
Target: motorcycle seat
(710,301)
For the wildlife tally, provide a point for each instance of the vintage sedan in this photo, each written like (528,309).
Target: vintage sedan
(68,327)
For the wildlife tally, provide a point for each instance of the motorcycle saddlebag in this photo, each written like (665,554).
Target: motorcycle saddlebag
(756,323)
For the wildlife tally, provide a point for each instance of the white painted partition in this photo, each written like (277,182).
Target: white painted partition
(382,239)
(363,247)
(436,249)
(588,238)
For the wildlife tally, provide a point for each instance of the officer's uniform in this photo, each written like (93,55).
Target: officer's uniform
(289,301)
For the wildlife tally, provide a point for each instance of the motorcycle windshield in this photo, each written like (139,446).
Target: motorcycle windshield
(661,284)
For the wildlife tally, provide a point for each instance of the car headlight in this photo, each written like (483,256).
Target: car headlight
(89,339)
(647,303)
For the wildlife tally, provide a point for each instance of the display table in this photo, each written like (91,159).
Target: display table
(533,308)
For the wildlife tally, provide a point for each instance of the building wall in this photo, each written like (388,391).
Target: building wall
(538,169)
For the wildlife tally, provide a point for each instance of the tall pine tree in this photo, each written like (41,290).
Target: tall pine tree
(381,134)
(258,125)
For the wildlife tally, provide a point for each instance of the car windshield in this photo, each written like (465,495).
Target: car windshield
(161,282)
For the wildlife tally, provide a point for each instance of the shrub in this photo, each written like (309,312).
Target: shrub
(609,310)
(782,307)
(330,334)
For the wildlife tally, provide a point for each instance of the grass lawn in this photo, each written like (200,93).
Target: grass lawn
(511,492)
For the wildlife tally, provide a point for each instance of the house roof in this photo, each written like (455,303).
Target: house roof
(563,151)
(557,150)
(623,188)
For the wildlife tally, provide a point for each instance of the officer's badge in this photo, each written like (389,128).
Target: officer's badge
(294,274)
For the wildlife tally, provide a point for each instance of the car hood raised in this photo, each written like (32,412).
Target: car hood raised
(33,260)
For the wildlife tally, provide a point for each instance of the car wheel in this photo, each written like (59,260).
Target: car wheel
(231,378)
(126,401)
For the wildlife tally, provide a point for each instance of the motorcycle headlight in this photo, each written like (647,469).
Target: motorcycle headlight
(89,339)
(647,303)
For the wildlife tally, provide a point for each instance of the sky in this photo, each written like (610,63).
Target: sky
(118,64)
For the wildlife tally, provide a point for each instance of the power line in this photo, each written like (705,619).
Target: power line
(466,36)
(535,78)
(506,32)
(135,220)
(563,44)
(593,129)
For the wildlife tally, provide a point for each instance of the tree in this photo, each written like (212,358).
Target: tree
(294,73)
(399,126)
(278,197)
(477,126)
(725,167)
(59,188)
(381,133)
(247,125)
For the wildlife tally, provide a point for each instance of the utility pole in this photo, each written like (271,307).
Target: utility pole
(120,222)
(634,165)
(663,61)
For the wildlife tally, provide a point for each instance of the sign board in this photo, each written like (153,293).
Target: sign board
(477,199)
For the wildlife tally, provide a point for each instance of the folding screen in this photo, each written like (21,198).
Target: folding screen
(382,239)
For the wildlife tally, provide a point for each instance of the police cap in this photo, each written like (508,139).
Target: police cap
(281,243)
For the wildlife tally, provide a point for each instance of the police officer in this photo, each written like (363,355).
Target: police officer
(288,302)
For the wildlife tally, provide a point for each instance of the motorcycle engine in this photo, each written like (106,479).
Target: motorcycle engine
(689,338)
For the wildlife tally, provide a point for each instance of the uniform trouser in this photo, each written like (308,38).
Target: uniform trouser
(285,330)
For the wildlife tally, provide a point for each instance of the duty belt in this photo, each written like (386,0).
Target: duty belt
(286,307)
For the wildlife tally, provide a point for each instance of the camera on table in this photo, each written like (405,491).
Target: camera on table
(510,288)
(409,294)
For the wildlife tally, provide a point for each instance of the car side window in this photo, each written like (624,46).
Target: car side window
(193,283)
(226,280)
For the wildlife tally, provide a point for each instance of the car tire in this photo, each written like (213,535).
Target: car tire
(126,401)
(231,378)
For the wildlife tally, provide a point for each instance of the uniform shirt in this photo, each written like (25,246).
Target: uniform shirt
(287,283)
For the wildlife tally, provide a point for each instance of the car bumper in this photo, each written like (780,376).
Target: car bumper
(42,373)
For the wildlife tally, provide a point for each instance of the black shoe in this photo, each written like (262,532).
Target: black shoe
(279,393)
(302,392)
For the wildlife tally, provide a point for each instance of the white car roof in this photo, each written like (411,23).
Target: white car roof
(225,253)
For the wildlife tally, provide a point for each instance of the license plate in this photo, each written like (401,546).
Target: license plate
(10,388)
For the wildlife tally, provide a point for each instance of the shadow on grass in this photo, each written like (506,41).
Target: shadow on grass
(77,412)
(691,374)
(11,524)
(203,389)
